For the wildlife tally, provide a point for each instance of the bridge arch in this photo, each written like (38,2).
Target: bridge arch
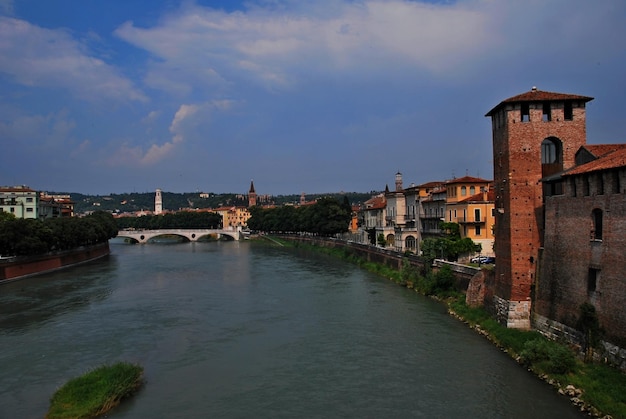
(192,235)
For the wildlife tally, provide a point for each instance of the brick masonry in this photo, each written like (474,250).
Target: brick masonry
(517,148)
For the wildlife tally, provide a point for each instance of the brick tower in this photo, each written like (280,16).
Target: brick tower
(251,195)
(535,134)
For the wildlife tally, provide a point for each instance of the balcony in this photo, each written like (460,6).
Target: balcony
(472,220)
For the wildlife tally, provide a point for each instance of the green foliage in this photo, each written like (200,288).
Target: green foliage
(381,240)
(449,247)
(326,217)
(547,356)
(589,325)
(182,219)
(27,237)
(95,392)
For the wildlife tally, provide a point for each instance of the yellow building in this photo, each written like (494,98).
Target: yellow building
(233,217)
(470,203)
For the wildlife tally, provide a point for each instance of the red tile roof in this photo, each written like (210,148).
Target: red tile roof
(377,202)
(599,150)
(467,179)
(535,95)
(609,160)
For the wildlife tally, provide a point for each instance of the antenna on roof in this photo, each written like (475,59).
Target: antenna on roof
(534,89)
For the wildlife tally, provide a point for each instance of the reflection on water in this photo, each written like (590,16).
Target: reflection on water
(31,302)
(239,329)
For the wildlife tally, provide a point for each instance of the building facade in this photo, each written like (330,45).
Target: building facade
(26,203)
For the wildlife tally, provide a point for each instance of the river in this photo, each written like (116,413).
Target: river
(251,330)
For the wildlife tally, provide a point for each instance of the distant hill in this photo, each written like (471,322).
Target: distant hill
(132,202)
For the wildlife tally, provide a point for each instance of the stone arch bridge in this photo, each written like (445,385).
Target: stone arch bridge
(192,234)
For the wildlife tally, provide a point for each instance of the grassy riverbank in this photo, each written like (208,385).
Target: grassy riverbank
(596,388)
(96,392)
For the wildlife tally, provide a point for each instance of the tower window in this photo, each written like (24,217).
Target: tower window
(592,280)
(548,152)
(568,113)
(525,112)
(585,185)
(547,113)
(616,184)
(596,218)
(600,184)
(463,190)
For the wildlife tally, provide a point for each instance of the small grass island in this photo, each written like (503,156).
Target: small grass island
(96,392)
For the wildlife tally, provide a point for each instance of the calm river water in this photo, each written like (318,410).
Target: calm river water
(248,330)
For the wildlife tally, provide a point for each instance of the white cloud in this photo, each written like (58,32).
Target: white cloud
(184,125)
(278,46)
(39,57)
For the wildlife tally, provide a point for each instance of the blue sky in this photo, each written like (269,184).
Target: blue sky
(100,96)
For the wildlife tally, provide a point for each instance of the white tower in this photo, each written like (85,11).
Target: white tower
(158,203)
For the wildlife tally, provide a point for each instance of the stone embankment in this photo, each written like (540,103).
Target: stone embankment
(15,268)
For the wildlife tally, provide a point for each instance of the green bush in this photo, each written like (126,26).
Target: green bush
(548,356)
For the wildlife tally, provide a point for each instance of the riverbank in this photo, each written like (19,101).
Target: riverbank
(23,267)
(596,389)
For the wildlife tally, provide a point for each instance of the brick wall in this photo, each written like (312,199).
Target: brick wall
(571,253)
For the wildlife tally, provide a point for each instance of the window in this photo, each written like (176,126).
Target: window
(463,190)
(592,280)
(477,232)
(548,152)
(586,185)
(29,199)
(568,113)
(600,184)
(29,210)
(615,182)
(477,214)
(525,112)
(472,190)
(547,113)
(596,218)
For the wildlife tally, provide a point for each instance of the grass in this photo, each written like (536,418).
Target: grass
(96,392)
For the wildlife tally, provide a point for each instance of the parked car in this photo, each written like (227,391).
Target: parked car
(483,259)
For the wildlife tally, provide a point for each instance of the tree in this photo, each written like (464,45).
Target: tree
(589,325)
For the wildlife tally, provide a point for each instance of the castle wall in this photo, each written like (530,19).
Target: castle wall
(576,267)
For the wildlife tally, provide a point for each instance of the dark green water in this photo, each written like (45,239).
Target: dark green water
(244,330)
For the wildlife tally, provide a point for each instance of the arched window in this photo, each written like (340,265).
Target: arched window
(409,242)
(596,218)
(551,156)
(463,190)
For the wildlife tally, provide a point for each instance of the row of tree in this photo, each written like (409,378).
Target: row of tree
(181,219)
(27,237)
(326,217)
